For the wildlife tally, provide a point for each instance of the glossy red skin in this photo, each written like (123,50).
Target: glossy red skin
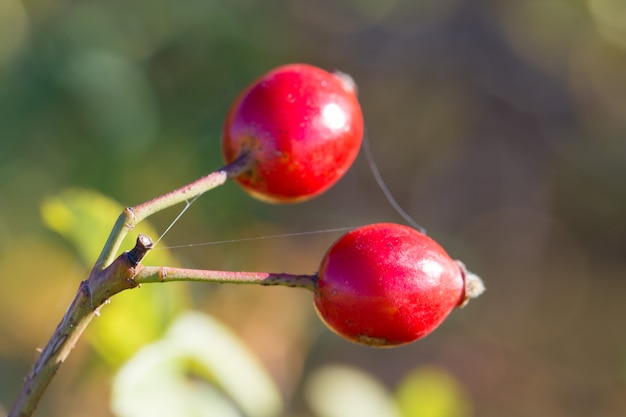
(298,152)
(387,284)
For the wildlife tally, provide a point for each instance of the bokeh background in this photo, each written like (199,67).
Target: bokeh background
(500,126)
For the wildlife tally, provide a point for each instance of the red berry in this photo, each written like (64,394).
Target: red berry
(387,284)
(302,127)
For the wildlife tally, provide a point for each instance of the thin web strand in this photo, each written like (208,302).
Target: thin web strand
(379,181)
(187,205)
(384,188)
(247,239)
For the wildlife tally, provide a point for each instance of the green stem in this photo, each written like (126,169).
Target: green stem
(131,216)
(149,274)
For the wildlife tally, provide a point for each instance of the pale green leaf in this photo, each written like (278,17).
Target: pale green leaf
(85,218)
(342,391)
(184,373)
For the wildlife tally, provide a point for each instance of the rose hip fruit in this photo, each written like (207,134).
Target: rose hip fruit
(387,284)
(302,128)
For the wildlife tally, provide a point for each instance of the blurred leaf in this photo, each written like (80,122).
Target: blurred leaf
(155,383)
(85,217)
(610,20)
(133,318)
(432,392)
(199,369)
(342,391)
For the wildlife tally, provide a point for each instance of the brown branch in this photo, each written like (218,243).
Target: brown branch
(124,273)
(92,293)
(108,277)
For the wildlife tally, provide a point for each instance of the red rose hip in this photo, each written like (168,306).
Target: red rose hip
(302,128)
(387,284)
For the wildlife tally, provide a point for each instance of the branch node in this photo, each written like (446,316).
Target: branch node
(130,214)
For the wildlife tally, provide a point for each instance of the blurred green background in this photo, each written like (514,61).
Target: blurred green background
(500,126)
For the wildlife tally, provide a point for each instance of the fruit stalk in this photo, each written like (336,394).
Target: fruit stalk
(131,216)
(150,274)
